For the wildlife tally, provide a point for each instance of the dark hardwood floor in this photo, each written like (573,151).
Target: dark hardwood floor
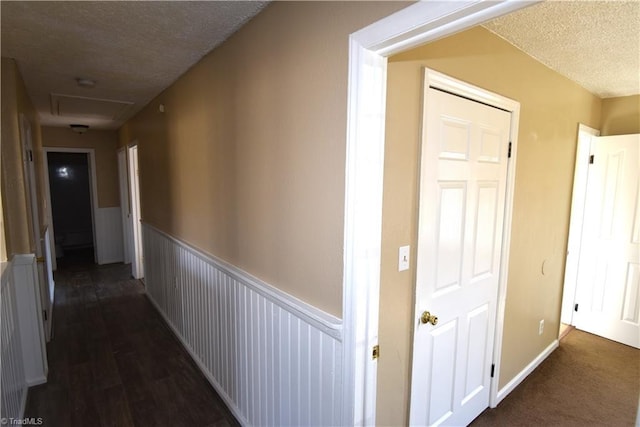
(112,359)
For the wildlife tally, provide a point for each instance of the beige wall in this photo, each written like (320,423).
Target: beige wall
(620,116)
(105,144)
(551,108)
(247,162)
(15,197)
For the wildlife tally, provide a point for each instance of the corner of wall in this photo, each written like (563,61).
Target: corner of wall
(620,115)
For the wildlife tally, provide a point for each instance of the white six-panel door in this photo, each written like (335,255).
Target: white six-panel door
(608,293)
(462,205)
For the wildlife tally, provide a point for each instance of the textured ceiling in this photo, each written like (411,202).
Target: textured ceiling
(133,50)
(594,43)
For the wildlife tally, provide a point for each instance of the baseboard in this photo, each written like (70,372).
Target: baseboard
(37,381)
(221,392)
(273,359)
(511,385)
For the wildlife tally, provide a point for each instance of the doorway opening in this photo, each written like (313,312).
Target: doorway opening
(71,204)
(137,267)
(601,280)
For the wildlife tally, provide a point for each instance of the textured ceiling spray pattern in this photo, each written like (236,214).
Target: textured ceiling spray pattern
(594,43)
(133,50)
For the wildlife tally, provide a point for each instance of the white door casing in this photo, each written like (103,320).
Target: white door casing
(38,243)
(608,293)
(461,252)
(369,47)
(127,235)
(30,181)
(134,188)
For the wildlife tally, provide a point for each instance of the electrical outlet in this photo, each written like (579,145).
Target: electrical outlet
(541,327)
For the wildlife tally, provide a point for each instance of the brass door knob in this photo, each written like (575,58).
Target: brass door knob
(428,318)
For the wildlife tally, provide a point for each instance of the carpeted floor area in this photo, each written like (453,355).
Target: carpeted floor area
(587,381)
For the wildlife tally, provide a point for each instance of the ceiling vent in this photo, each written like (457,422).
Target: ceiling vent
(95,108)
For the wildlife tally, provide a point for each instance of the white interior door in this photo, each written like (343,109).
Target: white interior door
(578,198)
(30,180)
(463,182)
(608,295)
(127,234)
(134,187)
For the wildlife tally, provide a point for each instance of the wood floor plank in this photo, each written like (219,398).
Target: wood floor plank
(113,361)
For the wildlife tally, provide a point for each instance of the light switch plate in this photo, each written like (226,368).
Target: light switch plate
(403,258)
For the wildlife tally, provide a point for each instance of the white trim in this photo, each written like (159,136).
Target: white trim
(123,186)
(137,264)
(109,233)
(578,198)
(29,174)
(329,324)
(272,358)
(93,193)
(515,382)
(368,48)
(29,307)
(441,81)
(13,386)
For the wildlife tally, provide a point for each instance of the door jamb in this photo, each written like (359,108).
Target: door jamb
(469,91)
(366,98)
(31,176)
(578,198)
(125,201)
(93,193)
(136,214)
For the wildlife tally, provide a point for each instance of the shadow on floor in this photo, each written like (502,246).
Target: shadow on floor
(112,359)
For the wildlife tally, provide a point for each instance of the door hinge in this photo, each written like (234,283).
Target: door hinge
(30,155)
(575,307)
(509,153)
(493,369)
(591,159)
(44,313)
(376,352)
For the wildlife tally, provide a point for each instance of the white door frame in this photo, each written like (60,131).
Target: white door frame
(125,208)
(93,193)
(137,264)
(369,48)
(44,278)
(578,198)
(30,181)
(434,79)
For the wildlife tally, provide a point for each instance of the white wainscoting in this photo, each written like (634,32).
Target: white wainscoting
(275,360)
(29,307)
(13,385)
(109,245)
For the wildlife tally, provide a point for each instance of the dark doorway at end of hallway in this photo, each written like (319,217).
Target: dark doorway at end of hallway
(69,185)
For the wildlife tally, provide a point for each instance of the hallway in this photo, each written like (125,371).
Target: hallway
(113,361)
